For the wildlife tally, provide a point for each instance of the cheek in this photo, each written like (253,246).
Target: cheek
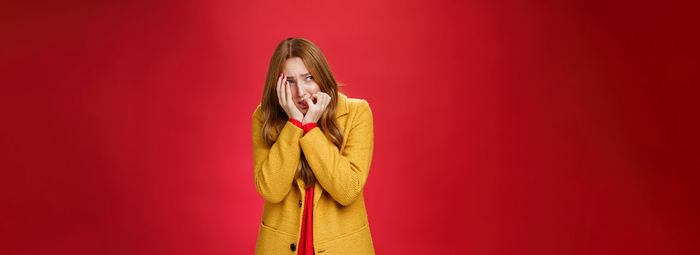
(316,88)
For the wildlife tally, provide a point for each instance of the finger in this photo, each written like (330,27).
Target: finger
(289,93)
(279,88)
(322,98)
(309,102)
(283,93)
(317,97)
(319,100)
(326,100)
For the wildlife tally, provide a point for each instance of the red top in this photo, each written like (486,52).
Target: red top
(306,244)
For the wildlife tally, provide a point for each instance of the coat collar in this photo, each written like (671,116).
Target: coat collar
(342,107)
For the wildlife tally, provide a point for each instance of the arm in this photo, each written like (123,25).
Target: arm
(275,166)
(342,175)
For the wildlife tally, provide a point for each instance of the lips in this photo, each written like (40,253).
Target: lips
(302,104)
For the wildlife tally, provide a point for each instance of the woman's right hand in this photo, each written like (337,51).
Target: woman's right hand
(284,94)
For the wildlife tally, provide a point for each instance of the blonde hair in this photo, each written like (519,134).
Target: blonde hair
(274,117)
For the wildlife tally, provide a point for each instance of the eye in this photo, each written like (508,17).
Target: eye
(309,77)
(290,81)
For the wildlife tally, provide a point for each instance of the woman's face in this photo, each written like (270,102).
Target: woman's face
(300,81)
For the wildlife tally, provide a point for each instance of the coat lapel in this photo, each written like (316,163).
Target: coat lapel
(317,194)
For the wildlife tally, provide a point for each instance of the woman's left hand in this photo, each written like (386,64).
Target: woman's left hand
(315,111)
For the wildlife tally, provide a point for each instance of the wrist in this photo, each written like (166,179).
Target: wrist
(308,127)
(296,122)
(307,119)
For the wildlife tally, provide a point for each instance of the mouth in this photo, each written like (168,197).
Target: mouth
(302,104)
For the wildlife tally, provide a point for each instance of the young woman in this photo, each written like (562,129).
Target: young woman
(312,149)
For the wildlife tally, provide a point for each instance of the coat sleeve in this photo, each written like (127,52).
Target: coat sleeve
(342,175)
(275,166)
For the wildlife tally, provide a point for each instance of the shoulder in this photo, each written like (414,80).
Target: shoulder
(358,104)
(257,112)
(359,108)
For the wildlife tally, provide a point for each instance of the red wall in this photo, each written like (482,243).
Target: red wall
(501,127)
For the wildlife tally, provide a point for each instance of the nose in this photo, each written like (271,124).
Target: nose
(300,90)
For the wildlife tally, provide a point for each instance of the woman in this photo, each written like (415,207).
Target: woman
(312,149)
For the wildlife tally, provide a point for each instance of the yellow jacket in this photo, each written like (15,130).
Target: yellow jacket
(340,224)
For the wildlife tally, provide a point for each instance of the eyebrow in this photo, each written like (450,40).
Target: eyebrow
(291,77)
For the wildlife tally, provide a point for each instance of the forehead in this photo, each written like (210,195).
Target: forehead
(294,66)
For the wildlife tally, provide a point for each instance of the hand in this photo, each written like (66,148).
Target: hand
(315,111)
(284,94)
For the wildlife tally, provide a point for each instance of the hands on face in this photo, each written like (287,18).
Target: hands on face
(284,94)
(315,110)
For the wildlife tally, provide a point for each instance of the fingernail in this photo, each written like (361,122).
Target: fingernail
(280,75)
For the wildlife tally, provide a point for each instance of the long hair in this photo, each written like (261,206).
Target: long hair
(274,117)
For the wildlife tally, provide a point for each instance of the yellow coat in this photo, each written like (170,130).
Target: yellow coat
(340,224)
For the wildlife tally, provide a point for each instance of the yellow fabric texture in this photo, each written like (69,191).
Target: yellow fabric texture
(340,224)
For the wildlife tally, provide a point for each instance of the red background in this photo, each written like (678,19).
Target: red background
(501,127)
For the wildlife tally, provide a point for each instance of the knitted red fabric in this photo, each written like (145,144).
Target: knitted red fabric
(296,123)
(307,127)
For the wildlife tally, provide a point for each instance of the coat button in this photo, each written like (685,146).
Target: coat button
(293,247)
(299,203)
